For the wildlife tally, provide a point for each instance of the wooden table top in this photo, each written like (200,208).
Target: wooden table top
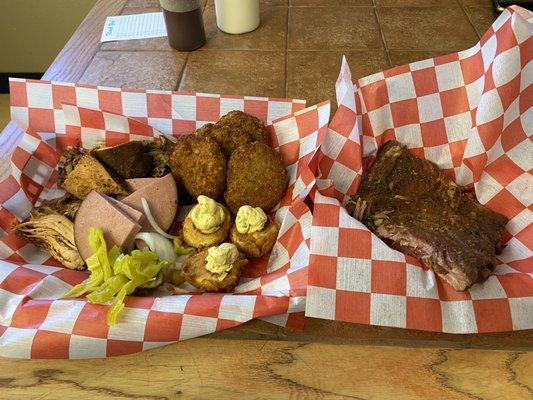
(295,53)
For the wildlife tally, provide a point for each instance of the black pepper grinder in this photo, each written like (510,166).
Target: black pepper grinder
(185,26)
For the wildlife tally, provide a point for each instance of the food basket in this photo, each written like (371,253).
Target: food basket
(471,114)
(36,323)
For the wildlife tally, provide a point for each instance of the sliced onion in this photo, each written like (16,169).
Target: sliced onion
(151,219)
(158,244)
(429,279)
(181,260)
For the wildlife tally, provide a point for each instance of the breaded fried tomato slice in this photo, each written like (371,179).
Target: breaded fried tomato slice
(199,164)
(227,138)
(238,121)
(257,177)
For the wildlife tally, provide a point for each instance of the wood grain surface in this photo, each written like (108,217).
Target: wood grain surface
(268,369)
(72,61)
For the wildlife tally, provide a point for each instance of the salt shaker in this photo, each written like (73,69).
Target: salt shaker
(185,26)
(237,16)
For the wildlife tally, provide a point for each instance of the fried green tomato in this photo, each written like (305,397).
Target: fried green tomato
(199,165)
(204,130)
(227,138)
(238,121)
(257,177)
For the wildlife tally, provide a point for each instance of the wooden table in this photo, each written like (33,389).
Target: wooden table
(285,57)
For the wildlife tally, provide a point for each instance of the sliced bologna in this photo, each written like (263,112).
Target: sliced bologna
(131,213)
(162,197)
(120,223)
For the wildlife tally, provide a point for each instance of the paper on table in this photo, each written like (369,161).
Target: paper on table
(138,26)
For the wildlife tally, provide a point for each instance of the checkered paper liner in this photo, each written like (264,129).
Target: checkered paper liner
(469,112)
(35,323)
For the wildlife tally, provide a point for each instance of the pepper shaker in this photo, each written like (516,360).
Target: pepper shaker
(185,26)
(237,16)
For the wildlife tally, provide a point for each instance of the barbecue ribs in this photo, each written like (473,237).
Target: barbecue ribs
(419,210)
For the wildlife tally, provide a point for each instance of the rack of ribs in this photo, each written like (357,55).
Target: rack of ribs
(417,209)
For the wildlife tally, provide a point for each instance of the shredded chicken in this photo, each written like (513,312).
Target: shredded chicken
(67,205)
(53,233)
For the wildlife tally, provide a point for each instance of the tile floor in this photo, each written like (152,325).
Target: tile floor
(296,52)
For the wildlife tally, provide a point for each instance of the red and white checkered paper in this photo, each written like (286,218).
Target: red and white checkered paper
(34,323)
(469,112)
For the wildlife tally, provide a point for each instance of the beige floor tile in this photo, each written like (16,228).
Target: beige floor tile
(401,57)
(142,3)
(204,3)
(333,28)
(328,3)
(255,73)
(416,3)
(311,75)
(262,3)
(150,3)
(426,28)
(270,35)
(482,18)
(477,3)
(4,111)
(144,69)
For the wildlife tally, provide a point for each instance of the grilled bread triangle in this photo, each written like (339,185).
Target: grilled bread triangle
(89,174)
(127,159)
